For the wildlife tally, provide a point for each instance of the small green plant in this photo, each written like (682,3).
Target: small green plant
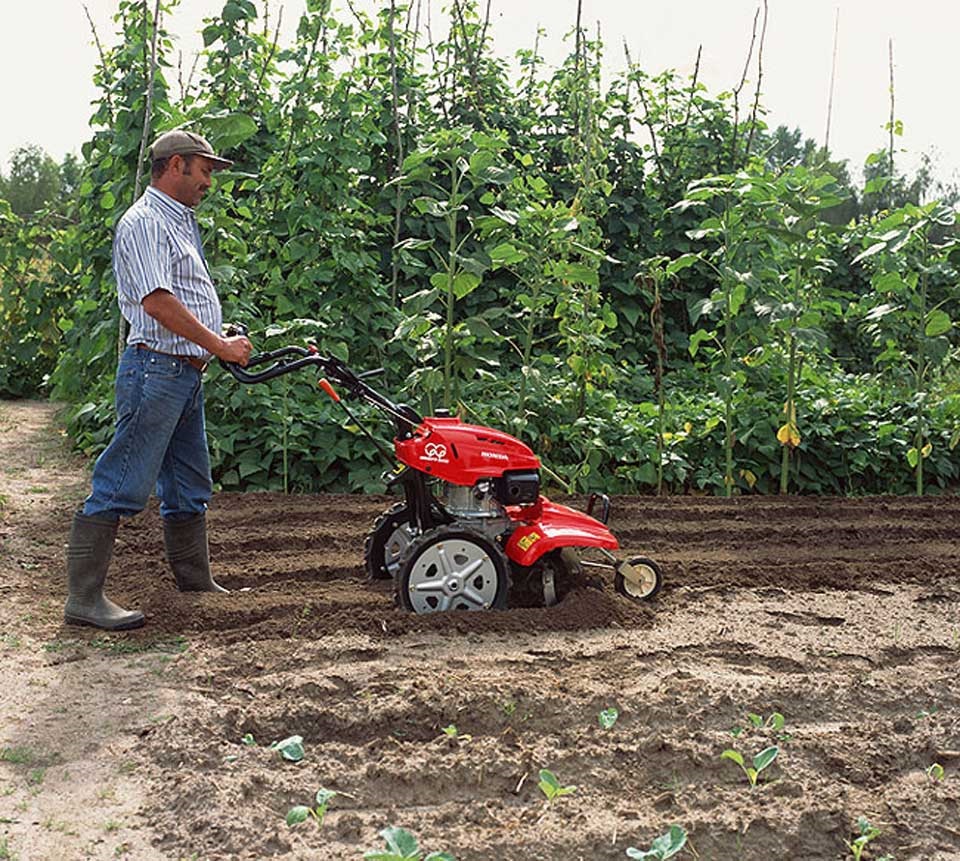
(868,832)
(248,740)
(665,846)
(935,771)
(18,755)
(291,749)
(300,813)
(776,723)
(551,787)
(402,846)
(6,853)
(36,775)
(761,761)
(454,736)
(608,717)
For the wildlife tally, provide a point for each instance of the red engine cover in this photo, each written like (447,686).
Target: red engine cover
(450,450)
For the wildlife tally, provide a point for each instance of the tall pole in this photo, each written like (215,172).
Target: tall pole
(833,78)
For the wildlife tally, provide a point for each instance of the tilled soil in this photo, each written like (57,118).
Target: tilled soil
(843,615)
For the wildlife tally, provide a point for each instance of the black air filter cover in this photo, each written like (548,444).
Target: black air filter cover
(518,487)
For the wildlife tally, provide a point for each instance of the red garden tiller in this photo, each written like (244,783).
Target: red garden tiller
(472,521)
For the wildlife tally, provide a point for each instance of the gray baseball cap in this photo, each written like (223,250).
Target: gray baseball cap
(182,142)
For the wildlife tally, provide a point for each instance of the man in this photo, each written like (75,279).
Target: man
(166,295)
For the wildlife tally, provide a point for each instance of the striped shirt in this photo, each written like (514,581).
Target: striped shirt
(157,247)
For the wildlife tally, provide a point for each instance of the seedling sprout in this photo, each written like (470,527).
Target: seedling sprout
(402,846)
(665,846)
(760,761)
(551,787)
(300,813)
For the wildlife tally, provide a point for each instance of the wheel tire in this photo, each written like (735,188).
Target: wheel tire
(652,579)
(451,568)
(384,546)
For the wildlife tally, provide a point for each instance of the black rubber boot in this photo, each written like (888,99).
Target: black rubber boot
(88,557)
(189,555)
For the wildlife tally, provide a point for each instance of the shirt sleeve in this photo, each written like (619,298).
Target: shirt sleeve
(144,260)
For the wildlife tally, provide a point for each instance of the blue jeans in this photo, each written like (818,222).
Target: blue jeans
(159,441)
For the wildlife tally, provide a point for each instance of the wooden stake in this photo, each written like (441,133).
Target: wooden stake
(833,78)
(147,118)
(890,186)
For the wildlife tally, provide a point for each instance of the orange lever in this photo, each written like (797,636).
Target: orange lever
(329,390)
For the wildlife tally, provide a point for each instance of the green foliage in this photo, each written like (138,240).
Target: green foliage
(665,846)
(34,180)
(291,749)
(301,813)
(608,717)
(866,834)
(651,289)
(551,787)
(401,845)
(758,763)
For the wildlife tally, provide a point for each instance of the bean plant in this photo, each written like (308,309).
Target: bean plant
(665,846)
(401,845)
(300,813)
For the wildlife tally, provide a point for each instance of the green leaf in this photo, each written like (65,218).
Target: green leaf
(734,755)
(229,130)
(290,748)
(401,841)
(480,328)
(737,297)
(876,248)
(665,846)
(671,843)
(413,244)
(298,814)
(507,215)
(913,457)
(325,796)
(507,254)
(608,717)
(698,337)
(108,200)
(938,323)
(765,757)
(681,263)
(465,283)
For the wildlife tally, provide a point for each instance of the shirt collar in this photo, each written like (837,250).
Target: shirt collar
(167,204)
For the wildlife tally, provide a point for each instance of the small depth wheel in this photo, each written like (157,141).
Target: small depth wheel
(384,546)
(643,581)
(452,569)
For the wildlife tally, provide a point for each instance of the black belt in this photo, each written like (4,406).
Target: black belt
(198,363)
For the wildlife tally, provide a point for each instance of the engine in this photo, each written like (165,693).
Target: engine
(476,507)
(481,507)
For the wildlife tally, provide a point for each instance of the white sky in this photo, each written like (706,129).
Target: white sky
(47,59)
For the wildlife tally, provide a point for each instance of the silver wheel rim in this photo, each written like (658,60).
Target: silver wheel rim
(394,546)
(452,575)
(646,575)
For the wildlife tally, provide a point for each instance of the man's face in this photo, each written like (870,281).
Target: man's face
(191,178)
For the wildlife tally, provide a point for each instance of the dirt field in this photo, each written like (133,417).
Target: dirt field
(841,615)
